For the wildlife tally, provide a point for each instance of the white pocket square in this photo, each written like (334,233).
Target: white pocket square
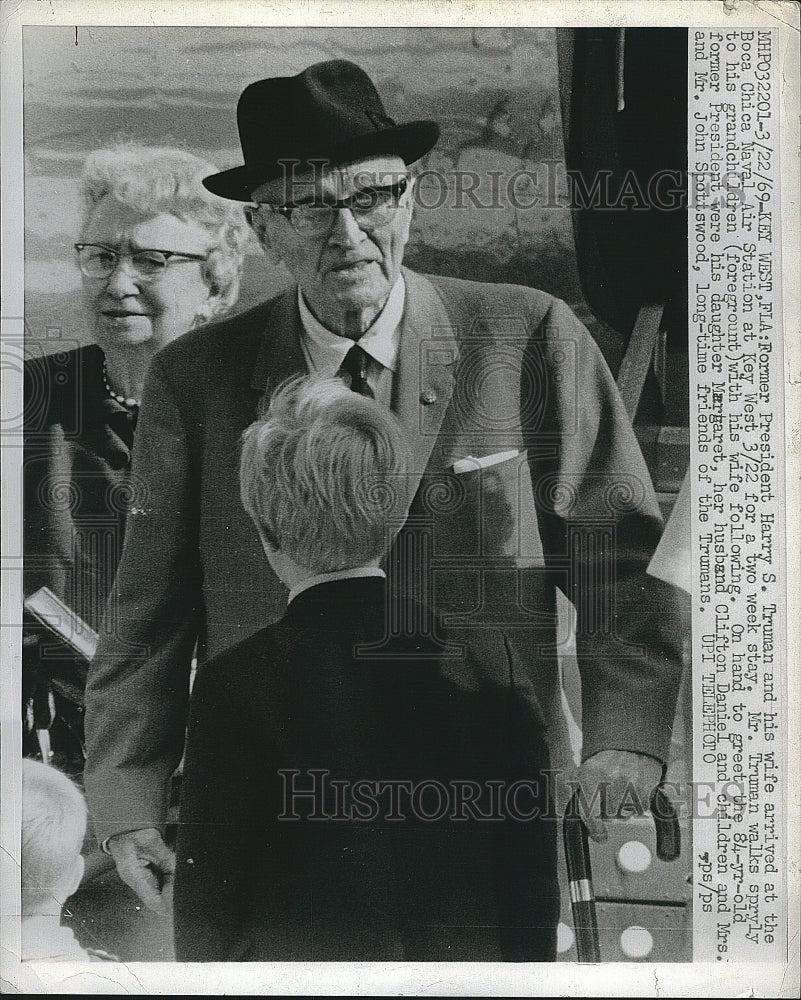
(471,464)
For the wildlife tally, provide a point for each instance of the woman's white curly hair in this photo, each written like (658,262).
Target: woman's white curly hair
(153,179)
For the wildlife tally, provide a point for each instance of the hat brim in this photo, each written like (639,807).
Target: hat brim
(409,142)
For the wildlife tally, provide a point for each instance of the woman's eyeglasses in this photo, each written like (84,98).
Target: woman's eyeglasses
(371,207)
(98,261)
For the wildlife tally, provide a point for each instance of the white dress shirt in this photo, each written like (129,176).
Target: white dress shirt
(325,351)
(340,574)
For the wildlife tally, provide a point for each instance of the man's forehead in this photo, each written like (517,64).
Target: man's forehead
(338,180)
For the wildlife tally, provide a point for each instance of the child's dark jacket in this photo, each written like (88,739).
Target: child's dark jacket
(306,705)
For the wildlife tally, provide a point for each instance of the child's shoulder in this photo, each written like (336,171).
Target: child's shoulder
(258,654)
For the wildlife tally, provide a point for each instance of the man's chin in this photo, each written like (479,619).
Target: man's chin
(361,282)
(360,295)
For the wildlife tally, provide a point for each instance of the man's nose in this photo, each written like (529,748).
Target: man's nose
(122,281)
(345,229)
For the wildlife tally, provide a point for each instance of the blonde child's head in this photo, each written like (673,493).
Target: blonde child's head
(53,828)
(324,475)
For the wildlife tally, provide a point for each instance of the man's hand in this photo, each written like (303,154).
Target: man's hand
(628,780)
(147,865)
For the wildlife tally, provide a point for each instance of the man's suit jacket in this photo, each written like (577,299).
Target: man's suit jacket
(323,813)
(483,369)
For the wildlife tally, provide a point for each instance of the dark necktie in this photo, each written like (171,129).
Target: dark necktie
(355,368)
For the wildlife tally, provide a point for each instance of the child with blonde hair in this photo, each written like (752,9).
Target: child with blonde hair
(53,829)
(292,844)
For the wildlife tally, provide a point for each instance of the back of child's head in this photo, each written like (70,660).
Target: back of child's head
(53,828)
(324,475)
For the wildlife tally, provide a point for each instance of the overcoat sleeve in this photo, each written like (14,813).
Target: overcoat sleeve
(138,684)
(600,523)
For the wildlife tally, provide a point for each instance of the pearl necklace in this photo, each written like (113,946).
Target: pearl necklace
(127,401)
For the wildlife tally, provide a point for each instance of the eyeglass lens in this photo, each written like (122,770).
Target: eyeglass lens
(371,207)
(100,262)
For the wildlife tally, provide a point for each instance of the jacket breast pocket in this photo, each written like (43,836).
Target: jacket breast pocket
(477,539)
(483,512)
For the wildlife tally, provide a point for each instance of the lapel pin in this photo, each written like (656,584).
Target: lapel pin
(428,396)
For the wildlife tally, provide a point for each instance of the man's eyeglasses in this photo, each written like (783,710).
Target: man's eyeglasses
(98,261)
(371,207)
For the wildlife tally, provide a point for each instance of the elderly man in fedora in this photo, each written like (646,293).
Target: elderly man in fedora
(528,476)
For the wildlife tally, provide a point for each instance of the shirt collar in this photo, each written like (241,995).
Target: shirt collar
(381,340)
(340,574)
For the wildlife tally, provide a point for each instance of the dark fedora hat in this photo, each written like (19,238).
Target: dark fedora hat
(330,112)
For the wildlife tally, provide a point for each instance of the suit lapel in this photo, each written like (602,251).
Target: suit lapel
(280,354)
(426,366)
(426,361)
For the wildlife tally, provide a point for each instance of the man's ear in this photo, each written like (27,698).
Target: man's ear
(259,225)
(407,199)
(256,223)
(406,207)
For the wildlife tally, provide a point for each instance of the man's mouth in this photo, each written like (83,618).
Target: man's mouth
(351,266)
(120,313)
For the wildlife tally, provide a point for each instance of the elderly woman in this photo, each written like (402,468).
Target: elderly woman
(158,255)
